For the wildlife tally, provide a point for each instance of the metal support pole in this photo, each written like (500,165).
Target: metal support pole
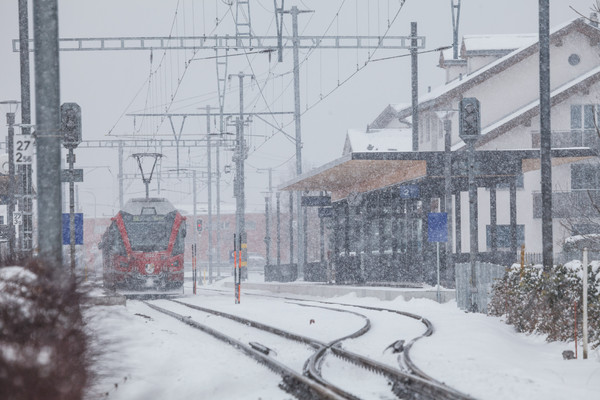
(209,194)
(473,226)
(455,4)
(448,193)
(493,219)
(300,219)
(278,205)
(71,161)
(414,64)
(513,216)
(545,133)
(195,213)
(291,228)
(25,171)
(267,232)
(47,95)
(240,157)
(10,120)
(120,177)
(457,216)
(218,187)
(438,295)
(585,303)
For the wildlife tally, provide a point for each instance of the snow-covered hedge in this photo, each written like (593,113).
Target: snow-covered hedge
(533,301)
(43,345)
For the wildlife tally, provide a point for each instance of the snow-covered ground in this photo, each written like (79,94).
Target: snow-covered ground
(145,355)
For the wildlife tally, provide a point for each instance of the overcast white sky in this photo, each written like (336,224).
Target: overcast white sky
(109,84)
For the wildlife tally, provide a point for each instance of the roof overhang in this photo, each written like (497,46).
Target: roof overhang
(368,171)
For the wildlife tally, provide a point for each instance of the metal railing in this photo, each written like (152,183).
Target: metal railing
(568,138)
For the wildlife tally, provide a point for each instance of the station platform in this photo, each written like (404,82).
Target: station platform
(99,296)
(256,282)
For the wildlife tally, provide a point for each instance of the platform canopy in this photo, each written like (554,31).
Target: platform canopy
(362,172)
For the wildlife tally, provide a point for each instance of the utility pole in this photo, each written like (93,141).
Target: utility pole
(24,171)
(455,7)
(278,213)
(414,62)
(268,208)
(546,135)
(294,11)
(10,121)
(209,193)
(47,96)
(240,157)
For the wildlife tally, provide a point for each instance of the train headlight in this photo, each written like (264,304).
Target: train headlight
(149,268)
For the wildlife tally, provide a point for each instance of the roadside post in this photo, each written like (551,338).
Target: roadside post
(469,118)
(585,303)
(194,266)
(239,280)
(70,118)
(236,284)
(437,232)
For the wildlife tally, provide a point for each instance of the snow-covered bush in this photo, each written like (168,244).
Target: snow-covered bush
(534,301)
(43,345)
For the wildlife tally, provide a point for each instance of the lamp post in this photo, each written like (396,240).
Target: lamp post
(10,121)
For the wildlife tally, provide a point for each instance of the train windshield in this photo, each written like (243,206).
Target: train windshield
(149,232)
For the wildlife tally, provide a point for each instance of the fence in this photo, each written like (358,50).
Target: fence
(485,274)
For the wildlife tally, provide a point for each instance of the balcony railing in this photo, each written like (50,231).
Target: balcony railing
(570,138)
(572,204)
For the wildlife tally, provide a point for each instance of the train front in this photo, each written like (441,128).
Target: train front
(143,249)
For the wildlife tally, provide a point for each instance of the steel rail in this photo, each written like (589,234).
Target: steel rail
(403,383)
(294,383)
(310,367)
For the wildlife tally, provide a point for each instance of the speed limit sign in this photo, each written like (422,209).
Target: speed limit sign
(23,149)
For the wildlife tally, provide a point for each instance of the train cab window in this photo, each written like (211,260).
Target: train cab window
(179,245)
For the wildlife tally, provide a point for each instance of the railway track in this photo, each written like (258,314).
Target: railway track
(310,384)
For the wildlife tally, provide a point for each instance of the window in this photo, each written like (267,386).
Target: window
(503,235)
(574,59)
(584,176)
(584,118)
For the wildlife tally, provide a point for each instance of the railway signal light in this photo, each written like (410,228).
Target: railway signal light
(70,124)
(470,119)
(199,225)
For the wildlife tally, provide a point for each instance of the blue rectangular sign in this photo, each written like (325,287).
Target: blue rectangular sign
(437,227)
(409,191)
(78,228)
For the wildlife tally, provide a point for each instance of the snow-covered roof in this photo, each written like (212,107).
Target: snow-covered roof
(158,206)
(457,86)
(495,44)
(380,140)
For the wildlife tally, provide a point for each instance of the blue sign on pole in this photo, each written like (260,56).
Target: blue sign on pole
(437,227)
(409,191)
(78,228)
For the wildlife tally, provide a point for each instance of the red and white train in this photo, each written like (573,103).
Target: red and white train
(143,248)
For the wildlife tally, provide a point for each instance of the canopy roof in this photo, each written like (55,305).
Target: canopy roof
(361,172)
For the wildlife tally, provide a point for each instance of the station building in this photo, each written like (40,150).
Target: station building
(383,192)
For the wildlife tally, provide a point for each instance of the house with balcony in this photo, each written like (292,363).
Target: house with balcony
(382,191)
